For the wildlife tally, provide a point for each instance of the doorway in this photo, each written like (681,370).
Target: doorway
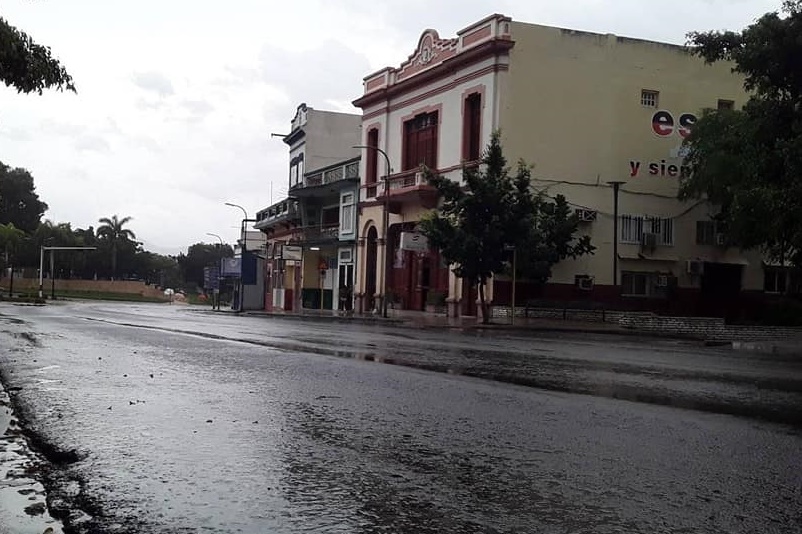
(346,287)
(371,260)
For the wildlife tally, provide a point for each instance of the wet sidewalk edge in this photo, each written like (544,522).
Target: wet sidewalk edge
(531,326)
(25,461)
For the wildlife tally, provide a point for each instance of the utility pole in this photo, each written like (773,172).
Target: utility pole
(616,187)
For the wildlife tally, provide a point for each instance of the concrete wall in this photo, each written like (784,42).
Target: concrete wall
(329,138)
(110,286)
(707,328)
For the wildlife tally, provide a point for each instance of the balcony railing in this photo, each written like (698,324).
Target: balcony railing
(286,209)
(322,232)
(398,183)
(349,171)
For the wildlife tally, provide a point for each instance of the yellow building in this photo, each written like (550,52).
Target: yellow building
(586,110)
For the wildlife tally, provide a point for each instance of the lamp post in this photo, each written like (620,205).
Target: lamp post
(243,250)
(385,220)
(514,250)
(216,290)
(616,187)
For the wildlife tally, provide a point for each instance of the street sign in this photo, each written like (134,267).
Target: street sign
(414,241)
(211,277)
(291,252)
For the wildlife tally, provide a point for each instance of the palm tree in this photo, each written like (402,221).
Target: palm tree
(112,231)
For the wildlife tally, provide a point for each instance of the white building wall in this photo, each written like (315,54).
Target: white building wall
(449,104)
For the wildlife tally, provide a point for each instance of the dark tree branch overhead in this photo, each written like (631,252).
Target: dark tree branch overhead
(27,66)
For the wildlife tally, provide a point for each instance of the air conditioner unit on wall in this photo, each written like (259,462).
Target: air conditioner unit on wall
(585,283)
(662,280)
(696,267)
(721,239)
(585,215)
(649,240)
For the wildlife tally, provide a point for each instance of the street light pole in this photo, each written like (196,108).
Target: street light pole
(385,221)
(41,269)
(243,250)
(52,275)
(616,187)
(42,264)
(514,250)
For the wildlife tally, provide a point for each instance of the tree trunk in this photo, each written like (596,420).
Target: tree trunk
(483,303)
(114,261)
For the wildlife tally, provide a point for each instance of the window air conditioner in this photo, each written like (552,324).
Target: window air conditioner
(585,283)
(584,215)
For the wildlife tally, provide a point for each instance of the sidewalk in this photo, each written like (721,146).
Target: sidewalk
(522,325)
(422,320)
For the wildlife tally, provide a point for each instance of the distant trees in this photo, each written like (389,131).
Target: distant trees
(112,234)
(198,256)
(749,161)
(494,211)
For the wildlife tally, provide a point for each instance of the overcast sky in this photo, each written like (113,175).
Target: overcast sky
(177,99)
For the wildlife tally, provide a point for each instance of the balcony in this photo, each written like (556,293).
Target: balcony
(327,181)
(321,234)
(408,186)
(285,212)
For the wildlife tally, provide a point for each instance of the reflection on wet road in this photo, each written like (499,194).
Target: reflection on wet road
(257,426)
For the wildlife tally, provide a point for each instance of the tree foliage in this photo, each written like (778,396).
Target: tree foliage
(749,161)
(19,202)
(479,221)
(10,237)
(27,66)
(198,256)
(111,234)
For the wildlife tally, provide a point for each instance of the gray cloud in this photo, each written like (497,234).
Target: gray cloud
(92,143)
(155,82)
(332,72)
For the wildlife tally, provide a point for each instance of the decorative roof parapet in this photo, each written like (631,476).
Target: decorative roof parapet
(433,51)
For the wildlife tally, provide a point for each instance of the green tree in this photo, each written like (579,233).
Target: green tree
(198,256)
(19,203)
(476,223)
(111,233)
(748,162)
(27,66)
(10,237)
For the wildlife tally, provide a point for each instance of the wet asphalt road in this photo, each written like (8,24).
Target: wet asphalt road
(194,422)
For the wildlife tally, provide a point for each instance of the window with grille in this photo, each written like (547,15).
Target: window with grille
(644,284)
(634,226)
(775,279)
(649,99)
(726,104)
(705,232)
